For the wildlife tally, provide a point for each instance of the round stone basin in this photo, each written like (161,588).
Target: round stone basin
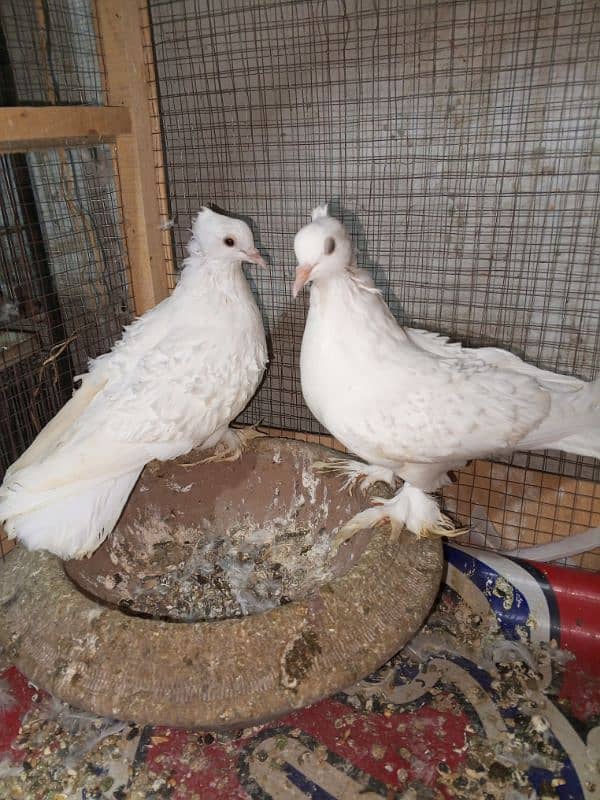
(201,541)
(216,601)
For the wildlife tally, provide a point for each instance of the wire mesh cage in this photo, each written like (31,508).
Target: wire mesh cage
(458,141)
(50,53)
(64,282)
(65,294)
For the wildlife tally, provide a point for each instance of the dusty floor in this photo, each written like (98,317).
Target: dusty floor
(465,711)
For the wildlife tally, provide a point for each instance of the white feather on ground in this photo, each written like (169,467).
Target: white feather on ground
(412,402)
(564,548)
(175,380)
(85,730)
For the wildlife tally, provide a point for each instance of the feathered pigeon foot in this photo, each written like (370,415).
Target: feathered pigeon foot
(232,444)
(356,473)
(410,508)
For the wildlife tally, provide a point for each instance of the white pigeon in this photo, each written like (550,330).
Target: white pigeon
(412,404)
(175,380)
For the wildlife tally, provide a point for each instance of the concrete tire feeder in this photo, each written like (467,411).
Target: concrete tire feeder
(81,630)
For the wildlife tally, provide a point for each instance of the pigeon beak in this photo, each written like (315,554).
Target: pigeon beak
(254,257)
(302,276)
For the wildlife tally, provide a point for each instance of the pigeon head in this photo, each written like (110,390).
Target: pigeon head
(221,238)
(323,249)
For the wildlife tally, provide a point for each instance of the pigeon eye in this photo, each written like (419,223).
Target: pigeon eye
(229,241)
(329,245)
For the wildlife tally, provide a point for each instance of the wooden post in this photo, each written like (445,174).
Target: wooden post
(162,184)
(120,29)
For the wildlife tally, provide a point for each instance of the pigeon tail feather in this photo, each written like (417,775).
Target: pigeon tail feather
(575,428)
(72,525)
(47,439)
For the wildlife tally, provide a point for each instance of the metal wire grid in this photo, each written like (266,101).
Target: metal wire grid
(507,507)
(455,139)
(458,141)
(64,281)
(162,187)
(52,49)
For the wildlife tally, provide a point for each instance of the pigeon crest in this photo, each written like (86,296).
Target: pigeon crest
(319,212)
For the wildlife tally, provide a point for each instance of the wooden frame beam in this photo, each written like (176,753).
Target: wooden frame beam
(130,122)
(30,127)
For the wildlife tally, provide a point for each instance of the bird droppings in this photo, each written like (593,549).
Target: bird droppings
(203,573)
(277,457)
(512,736)
(504,591)
(406,721)
(203,542)
(177,487)
(64,750)
(215,672)
(539,724)
(298,658)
